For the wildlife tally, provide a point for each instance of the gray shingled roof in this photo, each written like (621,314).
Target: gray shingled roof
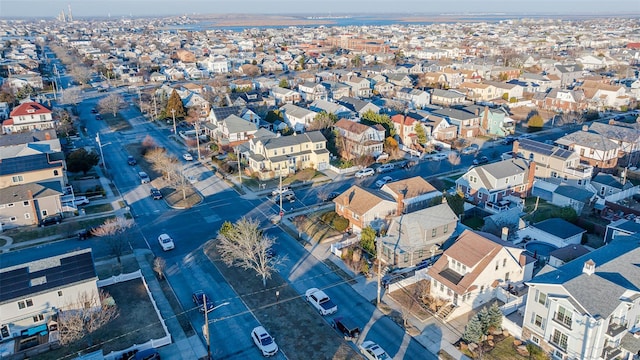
(616,272)
(20,193)
(614,132)
(608,180)
(573,192)
(281,141)
(559,228)
(237,124)
(504,168)
(588,140)
(455,114)
(296,111)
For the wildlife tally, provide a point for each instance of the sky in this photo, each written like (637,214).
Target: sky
(138,8)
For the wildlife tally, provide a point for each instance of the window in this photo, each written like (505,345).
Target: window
(564,316)
(59,292)
(481,289)
(541,298)
(504,262)
(10,205)
(535,339)
(434,232)
(17,179)
(538,321)
(27,216)
(13,218)
(29,302)
(446,228)
(559,339)
(44,212)
(25,203)
(406,257)
(55,173)
(4,331)
(21,305)
(38,317)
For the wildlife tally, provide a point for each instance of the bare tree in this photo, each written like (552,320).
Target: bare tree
(159,264)
(88,313)
(72,95)
(247,247)
(115,234)
(454,159)
(111,103)
(81,74)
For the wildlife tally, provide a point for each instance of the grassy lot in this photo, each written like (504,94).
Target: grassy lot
(545,211)
(95,209)
(138,323)
(314,227)
(301,332)
(110,268)
(116,123)
(67,228)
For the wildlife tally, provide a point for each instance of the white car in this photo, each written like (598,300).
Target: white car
(439,157)
(264,341)
(166,242)
(380,183)
(319,300)
(187,157)
(81,200)
(373,351)
(364,173)
(280,190)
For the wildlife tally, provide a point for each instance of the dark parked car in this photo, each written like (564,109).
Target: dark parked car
(346,327)
(131,160)
(481,160)
(331,196)
(84,234)
(51,220)
(156,194)
(198,299)
(98,117)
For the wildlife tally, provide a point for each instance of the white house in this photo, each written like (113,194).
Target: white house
(297,117)
(554,231)
(469,272)
(33,292)
(588,308)
(28,116)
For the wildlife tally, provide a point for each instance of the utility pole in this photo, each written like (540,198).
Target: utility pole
(173,113)
(155,107)
(139,98)
(239,168)
(197,124)
(379,269)
(205,330)
(280,191)
(104,164)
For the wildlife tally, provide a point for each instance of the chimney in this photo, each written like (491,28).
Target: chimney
(47,136)
(505,233)
(612,122)
(400,200)
(585,127)
(589,267)
(530,178)
(477,111)
(516,147)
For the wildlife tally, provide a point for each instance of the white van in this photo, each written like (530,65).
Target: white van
(144,178)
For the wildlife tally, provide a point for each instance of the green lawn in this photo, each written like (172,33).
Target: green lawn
(546,211)
(95,209)
(473,222)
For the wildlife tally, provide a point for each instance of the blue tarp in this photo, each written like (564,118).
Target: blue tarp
(37,329)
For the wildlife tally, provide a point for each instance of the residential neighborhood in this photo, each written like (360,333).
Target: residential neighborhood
(184,187)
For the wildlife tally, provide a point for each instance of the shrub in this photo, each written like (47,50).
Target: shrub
(328,217)
(536,121)
(340,223)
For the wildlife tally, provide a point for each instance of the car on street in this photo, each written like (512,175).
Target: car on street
(381,182)
(469,150)
(385,168)
(85,233)
(382,157)
(51,220)
(81,200)
(149,354)
(94,111)
(264,341)
(131,160)
(187,157)
(332,195)
(166,242)
(98,117)
(364,173)
(320,301)
(200,298)
(373,351)
(280,190)
(156,194)
(347,327)
(508,140)
(286,196)
(439,157)
(144,178)
(481,160)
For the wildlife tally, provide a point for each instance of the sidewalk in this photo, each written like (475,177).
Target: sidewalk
(182,347)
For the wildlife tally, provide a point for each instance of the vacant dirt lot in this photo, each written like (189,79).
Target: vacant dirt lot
(304,334)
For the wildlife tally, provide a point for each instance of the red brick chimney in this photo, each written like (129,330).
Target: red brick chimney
(400,204)
(530,177)
(516,147)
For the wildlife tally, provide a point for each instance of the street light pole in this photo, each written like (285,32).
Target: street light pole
(173,113)
(379,270)
(205,327)
(104,164)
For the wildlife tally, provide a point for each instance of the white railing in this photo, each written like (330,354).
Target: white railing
(153,343)
(336,248)
(349,170)
(583,171)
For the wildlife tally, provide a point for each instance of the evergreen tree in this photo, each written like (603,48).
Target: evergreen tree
(368,240)
(284,83)
(371,118)
(473,331)
(420,133)
(495,316)
(483,316)
(175,103)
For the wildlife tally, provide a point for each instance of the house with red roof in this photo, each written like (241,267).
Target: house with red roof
(28,116)
(405,128)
